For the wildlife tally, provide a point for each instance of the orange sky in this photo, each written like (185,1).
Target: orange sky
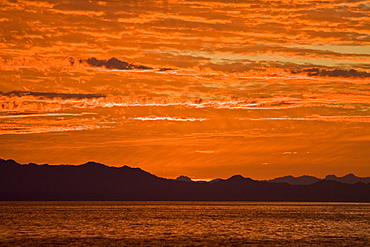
(257,88)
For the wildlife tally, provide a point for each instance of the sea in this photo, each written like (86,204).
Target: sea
(184,224)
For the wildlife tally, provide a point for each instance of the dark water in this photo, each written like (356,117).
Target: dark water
(184,224)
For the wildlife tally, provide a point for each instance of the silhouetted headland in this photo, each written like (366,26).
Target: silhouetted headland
(97,182)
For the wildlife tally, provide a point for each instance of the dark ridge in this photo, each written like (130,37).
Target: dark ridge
(184,179)
(307,180)
(238,178)
(349,179)
(302,180)
(215,180)
(114,63)
(97,182)
(93,164)
(52,95)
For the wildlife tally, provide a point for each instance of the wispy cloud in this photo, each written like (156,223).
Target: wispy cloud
(263,31)
(206,151)
(47,115)
(19,130)
(354,119)
(167,118)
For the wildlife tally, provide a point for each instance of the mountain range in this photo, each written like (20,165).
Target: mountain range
(307,180)
(97,182)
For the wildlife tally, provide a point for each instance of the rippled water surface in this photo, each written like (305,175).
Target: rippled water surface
(184,224)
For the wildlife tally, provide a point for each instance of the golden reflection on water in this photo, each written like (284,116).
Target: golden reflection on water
(184,223)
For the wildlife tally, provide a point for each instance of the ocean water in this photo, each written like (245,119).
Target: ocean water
(184,224)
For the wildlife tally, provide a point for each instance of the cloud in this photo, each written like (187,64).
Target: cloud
(333,73)
(167,118)
(353,119)
(206,151)
(77,5)
(26,101)
(138,30)
(114,63)
(329,15)
(11,130)
(52,95)
(46,115)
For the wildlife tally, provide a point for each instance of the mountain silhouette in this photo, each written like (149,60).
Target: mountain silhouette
(97,182)
(302,180)
(307,180)
(184,179)
(349,179)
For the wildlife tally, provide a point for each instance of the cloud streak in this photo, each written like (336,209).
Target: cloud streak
(352,73)
(167,118)
(46,115)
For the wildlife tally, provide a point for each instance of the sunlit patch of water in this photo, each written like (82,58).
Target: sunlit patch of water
(184,223)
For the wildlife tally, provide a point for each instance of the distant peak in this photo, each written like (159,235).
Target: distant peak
(235,177)
(216,180)
(350,175)
(132,168)
(92,163)
(9,162)
(184,179)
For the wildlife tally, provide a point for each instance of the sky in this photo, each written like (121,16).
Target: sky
(206,89)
